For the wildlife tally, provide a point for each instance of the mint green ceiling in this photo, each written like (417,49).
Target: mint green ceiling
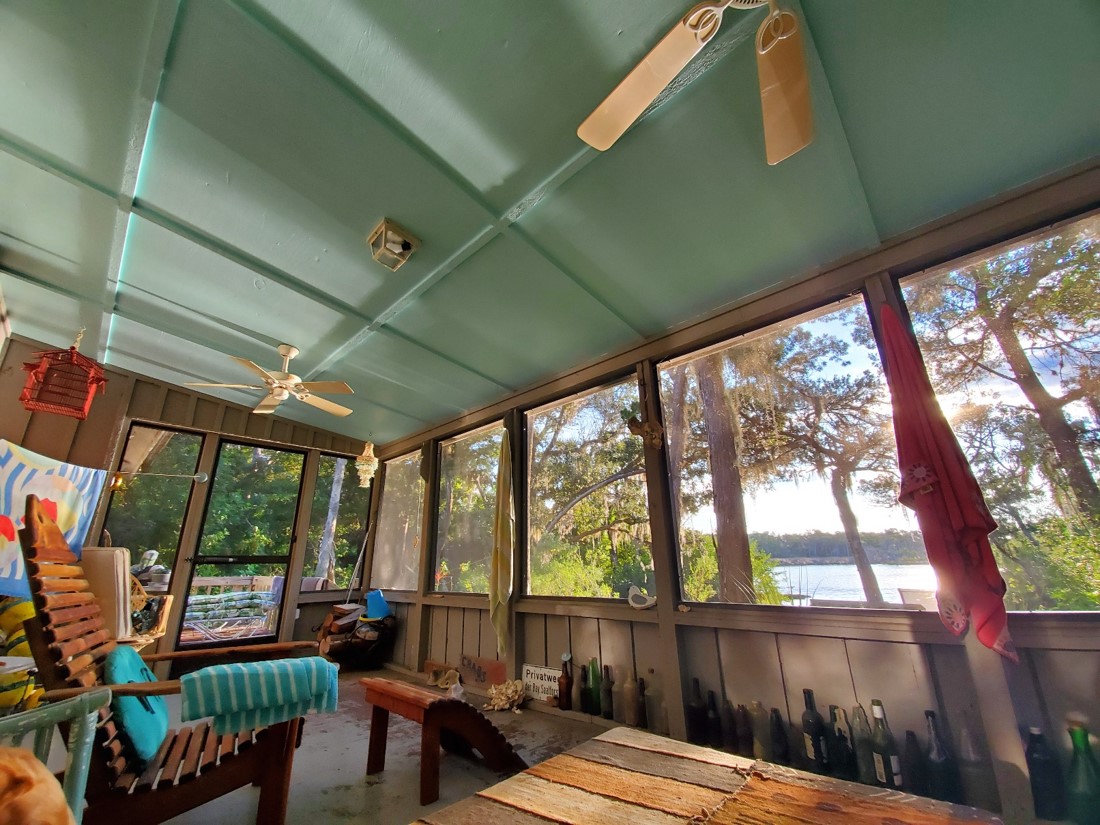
(190,179)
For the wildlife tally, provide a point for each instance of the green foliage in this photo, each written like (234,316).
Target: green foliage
(699,557)
(1058,570)
(558,569)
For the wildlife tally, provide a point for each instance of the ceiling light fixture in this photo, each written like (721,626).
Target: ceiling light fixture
(391,245)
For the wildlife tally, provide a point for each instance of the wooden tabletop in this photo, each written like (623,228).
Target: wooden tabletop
(632,777)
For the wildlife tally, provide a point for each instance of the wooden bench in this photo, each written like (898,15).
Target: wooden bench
(452,724)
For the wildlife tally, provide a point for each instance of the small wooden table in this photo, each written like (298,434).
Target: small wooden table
(452,724)
(630,776)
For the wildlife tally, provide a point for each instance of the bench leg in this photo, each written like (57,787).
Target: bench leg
(429,763)
(376,748)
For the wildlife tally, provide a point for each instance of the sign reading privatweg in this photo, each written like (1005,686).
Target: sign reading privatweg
(539,682)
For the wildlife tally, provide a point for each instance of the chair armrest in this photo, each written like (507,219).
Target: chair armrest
(274,650)
(129,689)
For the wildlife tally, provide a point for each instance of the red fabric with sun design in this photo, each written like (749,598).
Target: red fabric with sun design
(938,485)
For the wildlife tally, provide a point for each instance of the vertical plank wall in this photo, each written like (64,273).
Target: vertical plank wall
(94,442)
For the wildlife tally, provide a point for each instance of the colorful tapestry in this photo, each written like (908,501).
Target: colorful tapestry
(69,494)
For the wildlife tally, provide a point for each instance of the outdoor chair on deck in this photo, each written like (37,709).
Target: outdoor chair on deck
(193,765)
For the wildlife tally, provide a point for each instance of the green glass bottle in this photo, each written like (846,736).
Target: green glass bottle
(884,750)
(594,686)
(1083,780)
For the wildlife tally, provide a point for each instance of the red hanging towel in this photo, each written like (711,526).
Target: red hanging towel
(936,482)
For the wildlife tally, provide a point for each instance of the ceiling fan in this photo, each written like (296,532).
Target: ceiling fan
(282,384)
(780,63)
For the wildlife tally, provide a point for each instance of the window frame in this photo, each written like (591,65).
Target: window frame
(381,479)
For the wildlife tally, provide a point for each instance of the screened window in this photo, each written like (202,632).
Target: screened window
(784,471)
(150,497)
(397,545)
(587,512)
(337,525)
(1011,341)
(467,505)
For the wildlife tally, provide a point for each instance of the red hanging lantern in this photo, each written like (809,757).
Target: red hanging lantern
(62,381)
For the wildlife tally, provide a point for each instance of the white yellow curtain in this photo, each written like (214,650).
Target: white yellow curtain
(504,536)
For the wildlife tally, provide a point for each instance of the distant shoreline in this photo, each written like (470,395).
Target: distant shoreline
(807,561)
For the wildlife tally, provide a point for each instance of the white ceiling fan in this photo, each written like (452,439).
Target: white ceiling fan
(780,63)
(282,384)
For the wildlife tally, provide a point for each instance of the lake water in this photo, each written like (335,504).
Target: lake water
(841,581)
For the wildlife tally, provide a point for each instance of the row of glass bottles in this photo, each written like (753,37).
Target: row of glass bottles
(860,750)
(1074,796)
(594,690)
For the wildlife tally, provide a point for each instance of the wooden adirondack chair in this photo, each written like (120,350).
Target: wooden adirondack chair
(69,642)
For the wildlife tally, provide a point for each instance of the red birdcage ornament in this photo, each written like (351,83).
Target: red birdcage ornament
(62,381)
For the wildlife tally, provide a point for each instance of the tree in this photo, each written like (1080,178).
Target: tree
(326,554)
(1028,316)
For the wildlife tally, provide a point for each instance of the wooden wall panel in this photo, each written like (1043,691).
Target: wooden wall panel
(179,408)
(51,435)
(584,635)
(647,652)
(437,634)
(751,669)
(14,421)
(401,613)
(616,648)
(208,415)
(897,674)
(257,426)
(282,430)
(817,663)
(488,645)
(471,631)
(98,435)
(147,400)
(534,639)
(699,652)
(1068,680)
(558,639)
(233,421)
(455,617)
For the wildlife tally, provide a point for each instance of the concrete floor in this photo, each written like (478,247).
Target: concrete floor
(330,786)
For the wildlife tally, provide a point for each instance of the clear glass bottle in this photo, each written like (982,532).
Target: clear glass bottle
(943,770)
(884,750)
(861,744)
(761,731)
(628,700)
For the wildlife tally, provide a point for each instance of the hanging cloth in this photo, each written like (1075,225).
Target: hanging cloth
(504,535)
(937,483)
(68,492)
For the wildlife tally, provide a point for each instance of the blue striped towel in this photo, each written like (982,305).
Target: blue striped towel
(257,694)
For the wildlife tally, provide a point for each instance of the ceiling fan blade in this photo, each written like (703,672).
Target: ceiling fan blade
(256,368)
(324,404)
(331,387)
(229,386)
(658,68)
(784,86)
(267,405)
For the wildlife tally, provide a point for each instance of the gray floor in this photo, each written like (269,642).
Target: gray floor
(330,784)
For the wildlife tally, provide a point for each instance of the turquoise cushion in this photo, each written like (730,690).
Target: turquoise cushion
(142,719)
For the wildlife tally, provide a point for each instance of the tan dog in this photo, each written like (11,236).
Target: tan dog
(29,793)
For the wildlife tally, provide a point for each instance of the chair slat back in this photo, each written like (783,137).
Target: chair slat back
(68,638)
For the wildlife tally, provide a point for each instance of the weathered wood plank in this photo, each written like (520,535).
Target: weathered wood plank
(716,777)
(616,648)
(557,640)
(437,640)
(644,790)
(751,668)
(565,804)
(632,738)
(898,675)
(477,810)
(471,632)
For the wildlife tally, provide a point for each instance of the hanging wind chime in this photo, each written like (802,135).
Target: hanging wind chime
(62,381)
